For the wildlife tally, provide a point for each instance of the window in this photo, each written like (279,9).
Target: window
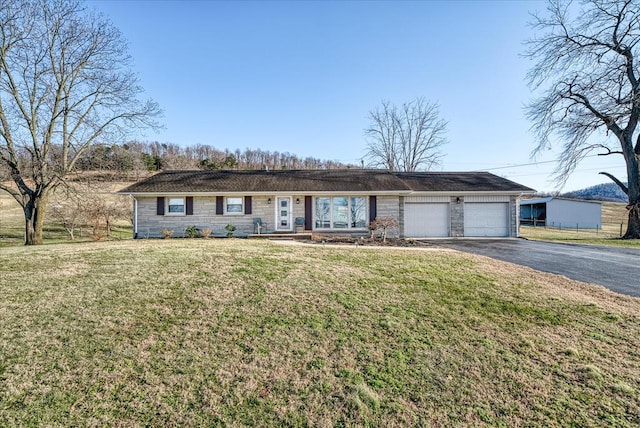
(340,212)
(234,206)
(323,213)
(358,213)
(176,206)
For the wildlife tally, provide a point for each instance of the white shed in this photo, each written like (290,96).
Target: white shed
(561,212)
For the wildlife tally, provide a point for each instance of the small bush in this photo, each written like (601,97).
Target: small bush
(166,233)
(205,233)
(230,228)
(386,225)
(191,232)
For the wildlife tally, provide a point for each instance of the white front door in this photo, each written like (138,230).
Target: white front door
(283,213)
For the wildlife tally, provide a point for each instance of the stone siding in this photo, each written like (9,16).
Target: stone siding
(514,212)
(457,216)
(401,216)
(150,224)
(389,206)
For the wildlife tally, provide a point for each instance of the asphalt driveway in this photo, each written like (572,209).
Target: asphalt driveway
(615,268)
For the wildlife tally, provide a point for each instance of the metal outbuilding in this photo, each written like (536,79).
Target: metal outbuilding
(561,213)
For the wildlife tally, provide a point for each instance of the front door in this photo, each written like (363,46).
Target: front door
(283,213)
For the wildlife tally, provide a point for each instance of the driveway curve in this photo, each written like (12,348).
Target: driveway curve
(618,269)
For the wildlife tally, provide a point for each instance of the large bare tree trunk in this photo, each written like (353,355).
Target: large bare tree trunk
(633,226)
(34,210)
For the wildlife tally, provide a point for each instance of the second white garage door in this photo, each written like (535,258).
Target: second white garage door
(423,220)
(486,219)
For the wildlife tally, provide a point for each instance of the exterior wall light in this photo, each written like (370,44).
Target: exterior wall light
(269,201)
(297,201)
(458,200)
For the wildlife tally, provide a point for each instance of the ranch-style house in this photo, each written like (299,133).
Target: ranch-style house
(425,204)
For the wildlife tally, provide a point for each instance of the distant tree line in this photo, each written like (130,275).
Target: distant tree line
(135,159)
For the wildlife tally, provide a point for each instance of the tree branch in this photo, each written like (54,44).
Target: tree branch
(15,194)
(620,184)
(609,151)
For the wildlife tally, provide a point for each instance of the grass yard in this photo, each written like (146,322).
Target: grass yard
(614,220)
(245,332)
(577,237)
(11,221)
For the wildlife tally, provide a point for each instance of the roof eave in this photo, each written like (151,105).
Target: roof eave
(271,193)
(473,192)
(337,193)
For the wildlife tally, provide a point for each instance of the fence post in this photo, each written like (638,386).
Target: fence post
(621,229)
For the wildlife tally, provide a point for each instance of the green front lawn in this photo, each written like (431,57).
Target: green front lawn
(245,332)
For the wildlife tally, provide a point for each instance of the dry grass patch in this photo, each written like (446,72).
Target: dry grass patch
(11,221)
(236,332)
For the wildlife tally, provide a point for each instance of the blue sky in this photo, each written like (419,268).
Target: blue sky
(301,76)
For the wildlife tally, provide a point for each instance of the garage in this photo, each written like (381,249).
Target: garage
(426,219)
(486,219)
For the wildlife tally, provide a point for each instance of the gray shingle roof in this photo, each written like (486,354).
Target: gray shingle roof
(332,180)
(459,182)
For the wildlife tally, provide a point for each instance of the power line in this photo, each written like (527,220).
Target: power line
(512,166)
(577,170)
(526,164)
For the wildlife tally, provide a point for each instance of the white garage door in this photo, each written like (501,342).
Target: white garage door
(486,219)
(426,220)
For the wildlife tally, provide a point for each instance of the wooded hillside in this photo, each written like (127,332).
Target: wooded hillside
(135,159)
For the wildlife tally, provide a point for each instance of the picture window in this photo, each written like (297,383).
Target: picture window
(340,212)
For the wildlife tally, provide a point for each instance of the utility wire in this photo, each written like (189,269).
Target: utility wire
(504,166)
(526,164)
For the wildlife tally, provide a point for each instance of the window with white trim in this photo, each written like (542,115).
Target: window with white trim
(175,206)
(234,205)
(358,212)
(340,212)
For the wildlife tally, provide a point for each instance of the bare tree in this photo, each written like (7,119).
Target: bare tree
(407,138)
(67,209)
(101,212)
(587,73)
(65,81)
(385,225)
